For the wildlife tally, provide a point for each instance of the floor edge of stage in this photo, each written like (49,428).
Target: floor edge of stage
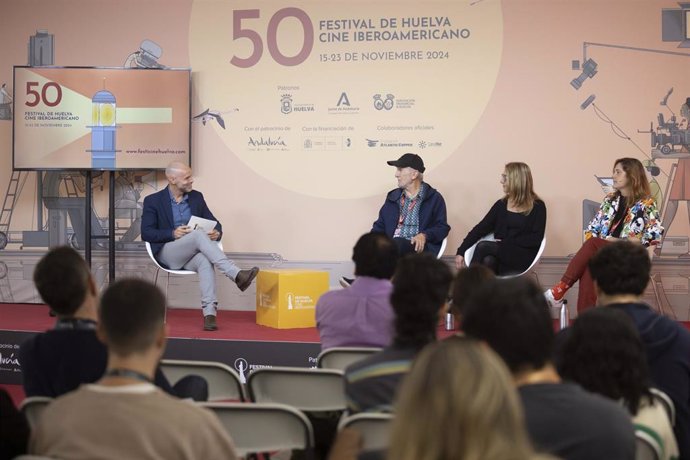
(239,342)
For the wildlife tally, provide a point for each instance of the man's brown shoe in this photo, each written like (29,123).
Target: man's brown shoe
(245,277)
(210,323)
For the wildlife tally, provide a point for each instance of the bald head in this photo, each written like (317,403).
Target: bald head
(176,167)
(179,177)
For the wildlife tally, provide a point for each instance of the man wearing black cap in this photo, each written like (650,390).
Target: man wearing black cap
(414,214)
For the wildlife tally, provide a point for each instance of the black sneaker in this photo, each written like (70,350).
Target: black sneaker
(245,277)
(210,323)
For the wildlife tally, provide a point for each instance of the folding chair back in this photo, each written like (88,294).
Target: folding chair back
(224,383)
(259,427)
(341,357)
(309,390)
(375,429)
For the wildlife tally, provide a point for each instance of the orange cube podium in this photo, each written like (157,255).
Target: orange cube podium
(286,299)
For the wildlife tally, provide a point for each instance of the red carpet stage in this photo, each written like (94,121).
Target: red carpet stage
(183,323)
(239,342)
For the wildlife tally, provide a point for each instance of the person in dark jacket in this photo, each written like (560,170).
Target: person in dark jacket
(620,272)
(59,360)
(517,221)
(414,214)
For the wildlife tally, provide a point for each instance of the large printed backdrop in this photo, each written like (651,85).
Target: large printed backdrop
(316,96)
(327,84)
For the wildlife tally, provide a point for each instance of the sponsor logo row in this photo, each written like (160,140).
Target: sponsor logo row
(344,105)
(312,143)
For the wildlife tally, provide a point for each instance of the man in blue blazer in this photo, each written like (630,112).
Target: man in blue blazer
(176,245)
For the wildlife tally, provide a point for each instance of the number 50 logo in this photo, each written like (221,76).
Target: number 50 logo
(30,91)
(238,32)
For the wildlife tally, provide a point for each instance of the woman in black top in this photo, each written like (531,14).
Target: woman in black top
(518,222)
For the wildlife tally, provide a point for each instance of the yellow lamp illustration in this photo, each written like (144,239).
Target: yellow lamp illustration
(103,128)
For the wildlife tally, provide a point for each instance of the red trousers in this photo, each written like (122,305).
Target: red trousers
(578,270)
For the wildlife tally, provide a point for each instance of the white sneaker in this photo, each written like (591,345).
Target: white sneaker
(553,303)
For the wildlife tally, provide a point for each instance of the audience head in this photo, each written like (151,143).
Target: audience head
(63,279)
(604,354)
(375,255)
(634,171)
(519,186)
(132,317)
(420,290)
(621,268)
(460,403)
(513,318)
(466,282)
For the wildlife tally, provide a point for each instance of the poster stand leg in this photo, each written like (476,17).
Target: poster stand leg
(88,202)
(88,206)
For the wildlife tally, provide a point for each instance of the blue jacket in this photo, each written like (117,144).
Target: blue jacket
(667,344)
(157,224)
(432,217)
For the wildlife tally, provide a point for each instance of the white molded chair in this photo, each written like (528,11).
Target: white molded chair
(309,390)
(224,384)
(444,243)
(374,427)
(32,408)
(259,427)
(341,357)
(666,402)
(646,447)
(469,254)
(169,271)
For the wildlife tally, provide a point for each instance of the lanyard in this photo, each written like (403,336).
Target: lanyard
(410,207)
(615,226)
(128,373)
(621,217)
(75,323)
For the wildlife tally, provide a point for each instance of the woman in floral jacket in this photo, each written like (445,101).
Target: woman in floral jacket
(627,213)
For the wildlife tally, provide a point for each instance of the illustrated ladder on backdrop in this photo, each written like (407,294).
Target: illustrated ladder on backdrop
(70,186)
(13,191)
(5,288)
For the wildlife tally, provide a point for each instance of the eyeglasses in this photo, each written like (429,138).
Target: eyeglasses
(503,178)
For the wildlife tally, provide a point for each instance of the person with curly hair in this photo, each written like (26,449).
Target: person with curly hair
(604,354)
